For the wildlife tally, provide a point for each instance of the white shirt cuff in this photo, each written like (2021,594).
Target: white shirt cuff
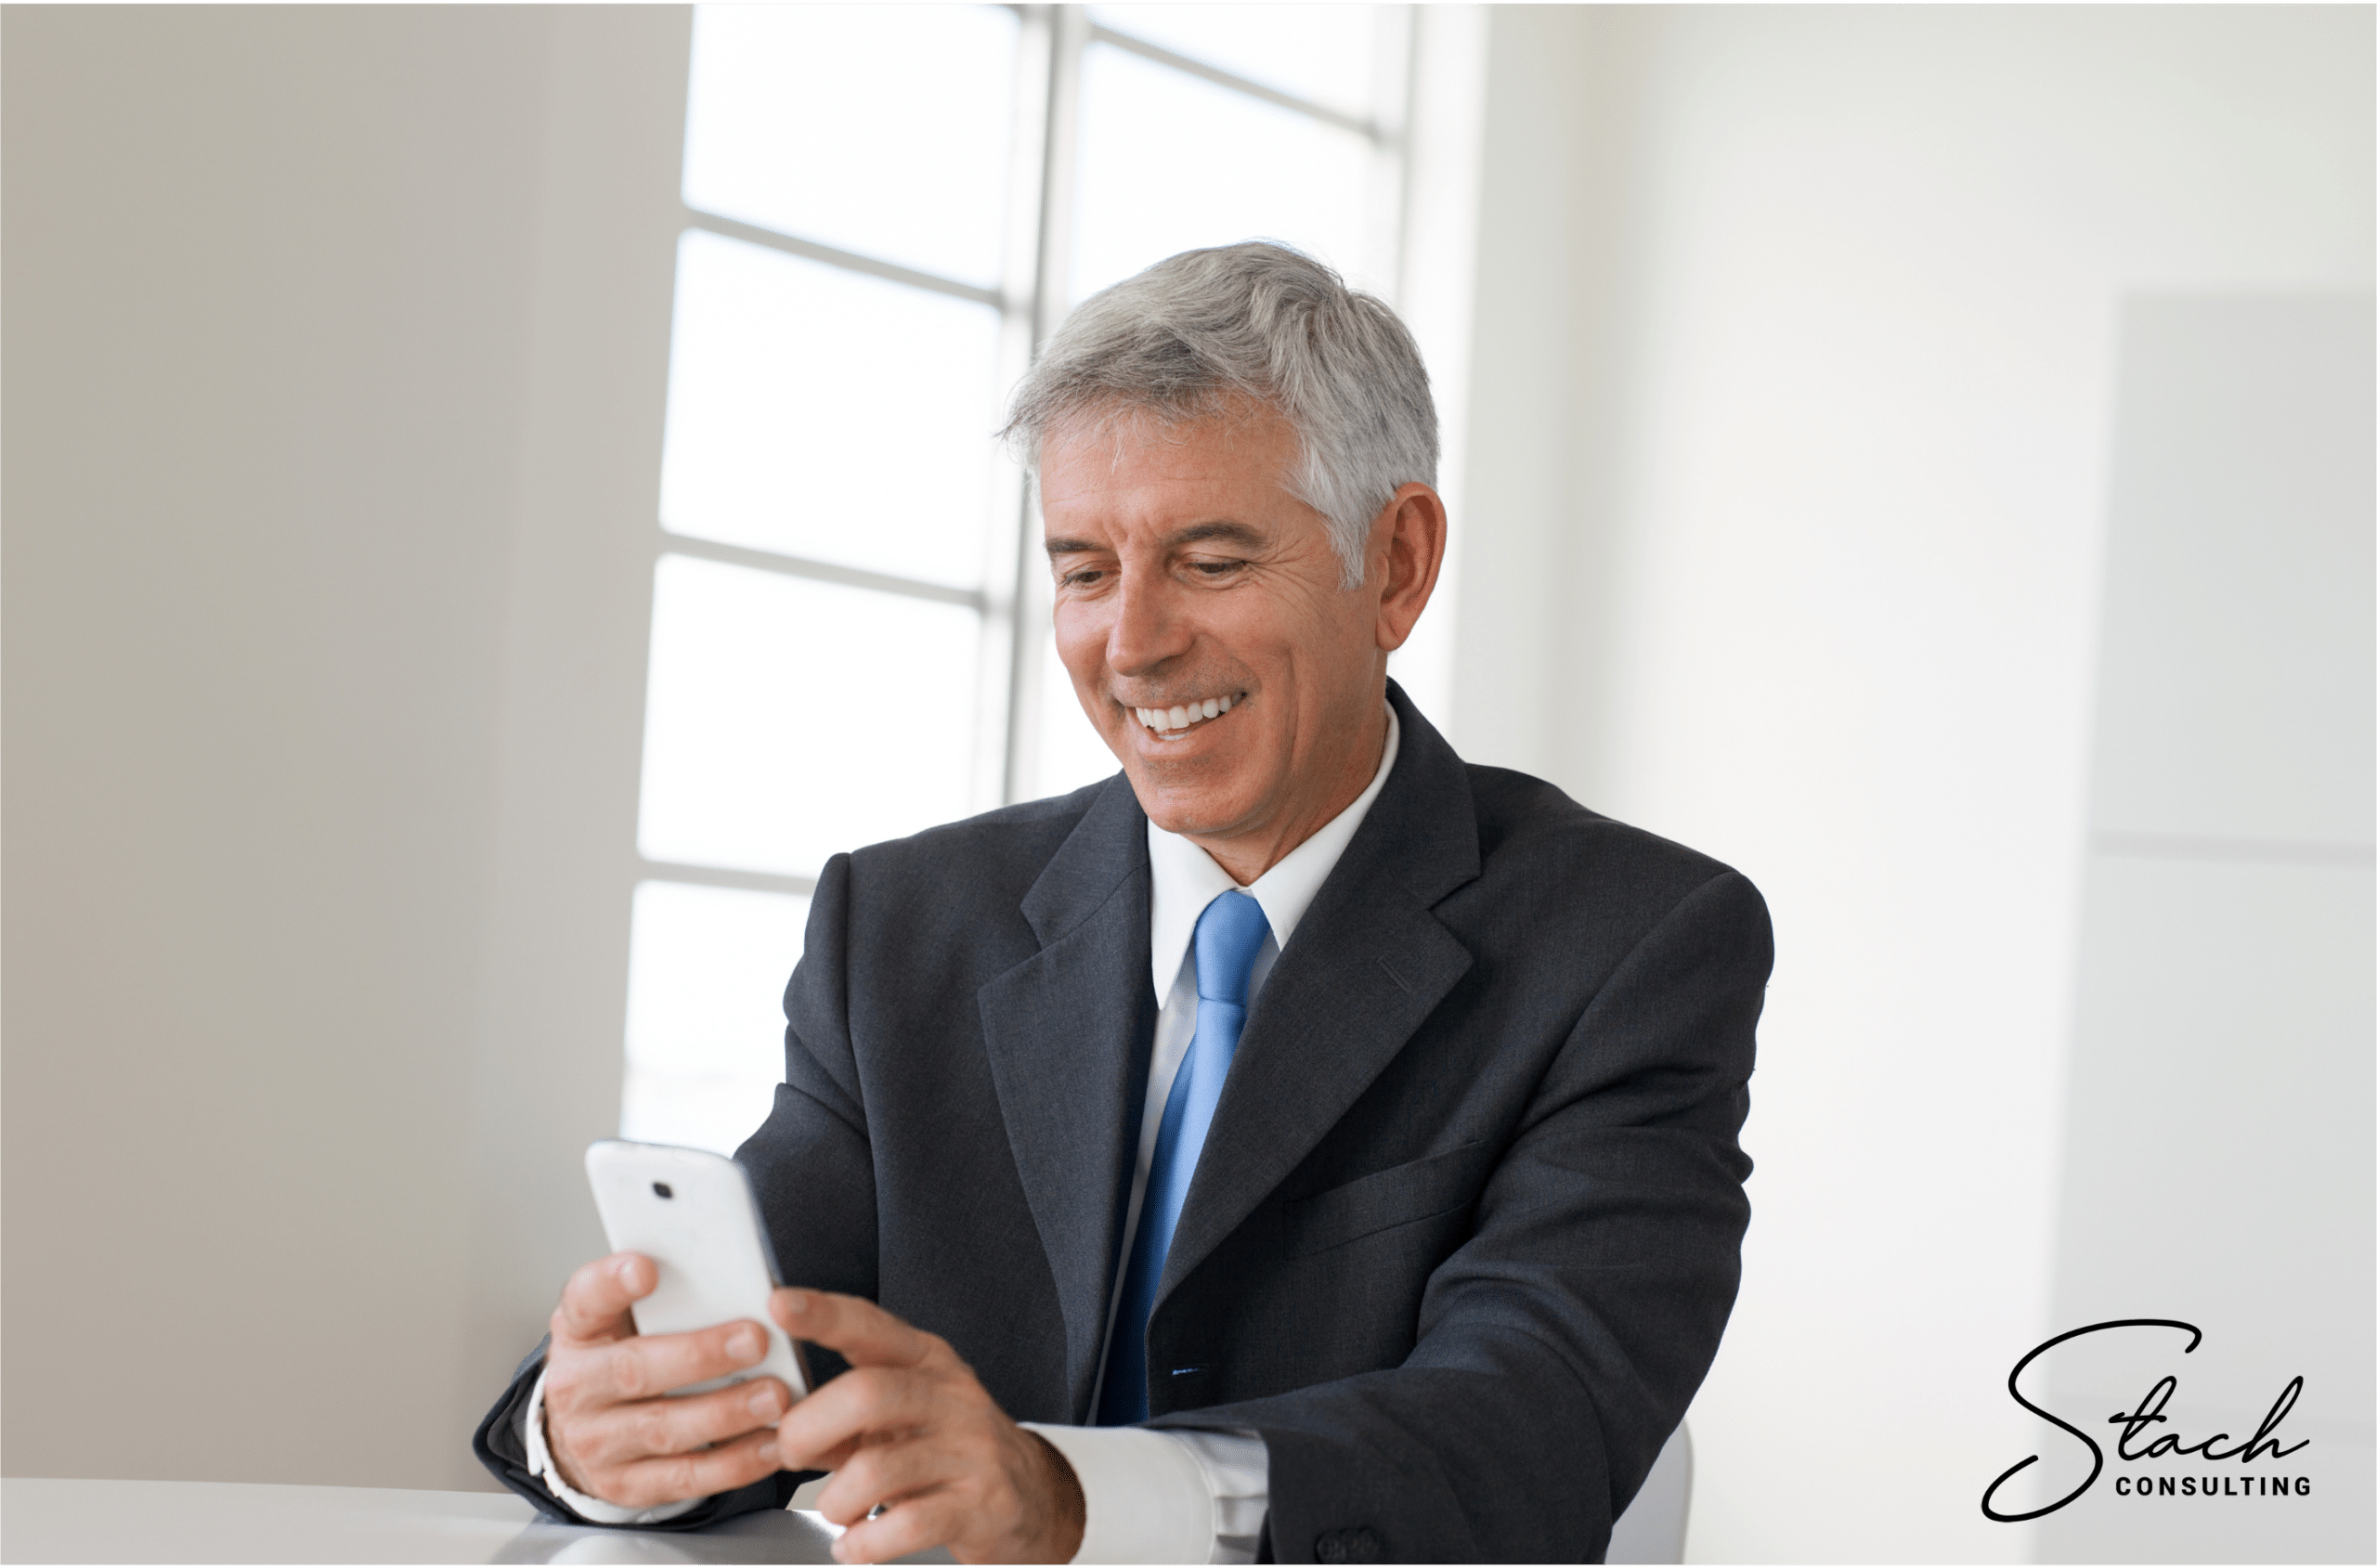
(594,1510)
(1166,1497)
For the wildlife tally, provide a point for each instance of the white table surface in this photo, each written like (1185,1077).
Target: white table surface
(45,1520)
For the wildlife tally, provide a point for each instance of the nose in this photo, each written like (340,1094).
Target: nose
(1148,629)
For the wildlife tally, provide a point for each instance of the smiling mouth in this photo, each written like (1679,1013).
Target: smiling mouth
(1167,723)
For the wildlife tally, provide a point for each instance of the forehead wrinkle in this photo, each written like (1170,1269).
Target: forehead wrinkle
(1229,530)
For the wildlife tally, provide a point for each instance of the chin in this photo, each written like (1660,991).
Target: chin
(1191,811)
(1208,794)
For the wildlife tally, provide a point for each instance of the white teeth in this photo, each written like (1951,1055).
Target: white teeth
(1172,720)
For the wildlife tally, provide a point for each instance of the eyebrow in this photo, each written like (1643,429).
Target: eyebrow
(1244,534)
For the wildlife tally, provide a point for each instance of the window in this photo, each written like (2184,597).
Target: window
(886,208)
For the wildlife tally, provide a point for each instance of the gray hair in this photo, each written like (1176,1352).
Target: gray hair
(1200,330)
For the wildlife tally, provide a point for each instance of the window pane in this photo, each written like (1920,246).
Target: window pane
(880,129)
(1170,161)
(823,413)
(1325,54)
(1071,752)
(706,968)
(788,720)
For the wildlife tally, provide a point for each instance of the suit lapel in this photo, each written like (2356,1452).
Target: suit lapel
(1067,1033)
(1367,963)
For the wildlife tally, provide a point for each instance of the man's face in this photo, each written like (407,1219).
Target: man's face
(1188,578)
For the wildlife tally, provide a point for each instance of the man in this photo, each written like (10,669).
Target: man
(1328,1148)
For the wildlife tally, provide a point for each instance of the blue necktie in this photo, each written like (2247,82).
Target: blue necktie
(1229,934)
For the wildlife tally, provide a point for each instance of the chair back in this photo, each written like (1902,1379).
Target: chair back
(1650,1530)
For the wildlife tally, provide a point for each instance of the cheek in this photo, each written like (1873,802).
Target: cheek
(1334,646)
(1077,634)
(1081,645)
(1285,650)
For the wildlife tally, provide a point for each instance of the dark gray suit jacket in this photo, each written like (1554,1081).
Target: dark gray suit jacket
(1466,1227)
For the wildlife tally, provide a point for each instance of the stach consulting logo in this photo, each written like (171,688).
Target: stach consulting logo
(2213,1468)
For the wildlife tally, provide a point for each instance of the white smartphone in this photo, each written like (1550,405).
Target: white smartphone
(693,1215)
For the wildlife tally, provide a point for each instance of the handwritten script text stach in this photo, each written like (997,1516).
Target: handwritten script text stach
(2137,1422)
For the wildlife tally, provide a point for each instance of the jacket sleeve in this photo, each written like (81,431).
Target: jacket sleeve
(1559,1344)
(812,1162)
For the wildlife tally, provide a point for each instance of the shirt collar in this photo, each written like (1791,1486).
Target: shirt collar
(1187,878)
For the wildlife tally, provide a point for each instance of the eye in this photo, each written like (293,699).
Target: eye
(1081,579)
(1216,568)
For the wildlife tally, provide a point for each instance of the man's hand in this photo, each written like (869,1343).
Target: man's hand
(909,1428)
(612,1435)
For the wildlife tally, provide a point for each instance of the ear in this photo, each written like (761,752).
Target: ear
(1407,551)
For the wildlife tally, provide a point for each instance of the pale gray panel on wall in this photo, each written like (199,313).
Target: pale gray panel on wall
(2227,1078)
(2220,1150)
(2237,680)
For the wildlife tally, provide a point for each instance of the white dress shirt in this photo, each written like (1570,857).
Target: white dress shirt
(1150,1496)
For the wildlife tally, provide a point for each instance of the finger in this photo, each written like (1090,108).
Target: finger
(594,1304)
(863,1332)
(828,1459)
(883,1474)
(650,1482)
(649,1365)
(620,1434)
(858,1407)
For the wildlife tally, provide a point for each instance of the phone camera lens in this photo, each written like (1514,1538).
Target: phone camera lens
(663,1189)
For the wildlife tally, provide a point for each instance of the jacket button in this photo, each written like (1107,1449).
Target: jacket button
(1355,1544)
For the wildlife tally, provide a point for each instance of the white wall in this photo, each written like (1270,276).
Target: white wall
(334,342)
(1788,463)
(2219,1162)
